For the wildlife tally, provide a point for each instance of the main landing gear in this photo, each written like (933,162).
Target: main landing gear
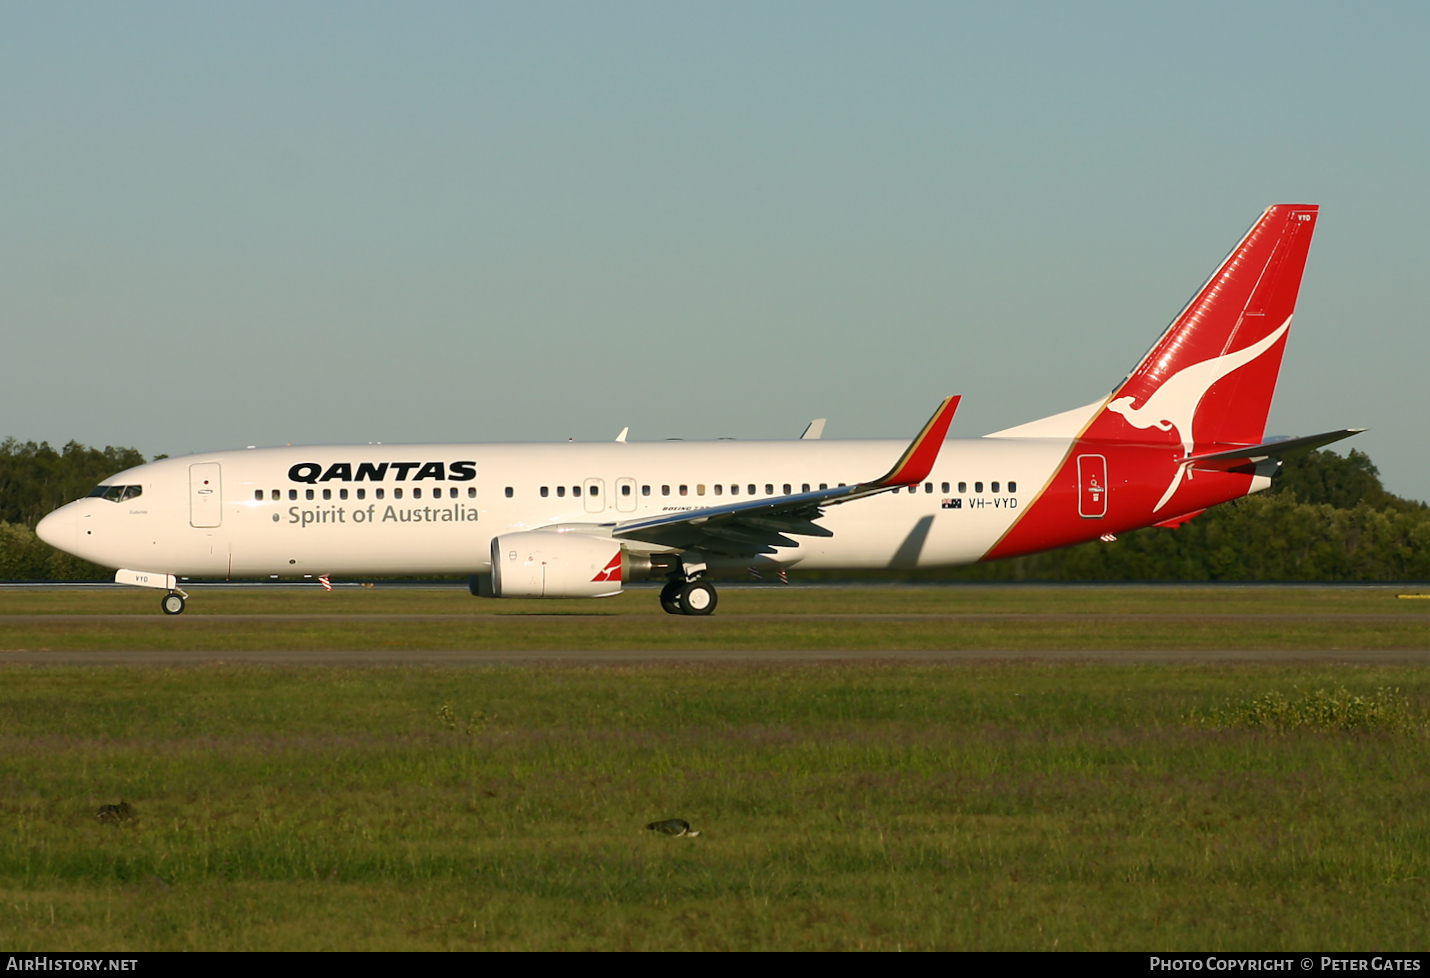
(172,603)
(688,598)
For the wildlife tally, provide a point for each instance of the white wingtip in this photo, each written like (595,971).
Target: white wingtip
(814,430)
(624,431)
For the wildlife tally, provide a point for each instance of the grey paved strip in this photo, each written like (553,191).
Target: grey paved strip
(1422,617)
(463,658)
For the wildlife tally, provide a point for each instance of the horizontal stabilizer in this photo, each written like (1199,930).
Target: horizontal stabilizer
(1177,521)
(1272,449)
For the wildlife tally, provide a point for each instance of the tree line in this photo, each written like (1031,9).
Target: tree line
(1327,518)
(35,480)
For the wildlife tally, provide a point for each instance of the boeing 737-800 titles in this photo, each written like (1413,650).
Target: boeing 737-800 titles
(1184,431)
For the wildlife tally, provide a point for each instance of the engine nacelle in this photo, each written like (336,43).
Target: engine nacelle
(547,564)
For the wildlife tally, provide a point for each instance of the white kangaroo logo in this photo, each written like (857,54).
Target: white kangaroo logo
(1174,404)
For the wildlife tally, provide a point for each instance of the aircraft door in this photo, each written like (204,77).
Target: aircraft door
(1092,486)
(626,495)
(595,493)
(205,495)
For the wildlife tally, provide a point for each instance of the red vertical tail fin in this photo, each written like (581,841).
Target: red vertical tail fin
(1211,375)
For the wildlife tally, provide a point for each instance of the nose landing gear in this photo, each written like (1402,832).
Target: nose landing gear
(173,603)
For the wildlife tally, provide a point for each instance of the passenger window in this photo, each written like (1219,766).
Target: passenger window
(684,491)
(308,494)
(362,493)
(342,494)
(292,493)
(824,485)
(993,487)
(913,489)
(978,487)
(665,490)
(720,490)
(327,494)
(417,493)
(787,489)
(945,487)
(397,493)
(750,489)
(1012,487)
(625,490)
(928,487)
(963,487)
(277,495)
(258,495)
(734,490)
(804,487)
(594,491)
(380,493)
(508,492)
(699,488)
(471,492)
(645,490)
(575,490)
(545,491)
(769,489)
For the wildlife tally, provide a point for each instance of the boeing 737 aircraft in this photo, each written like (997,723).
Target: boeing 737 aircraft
(1183,431)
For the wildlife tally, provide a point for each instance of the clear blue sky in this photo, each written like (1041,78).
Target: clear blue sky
(238,224)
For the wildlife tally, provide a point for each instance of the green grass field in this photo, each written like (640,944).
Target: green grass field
(842,805)
(747,619)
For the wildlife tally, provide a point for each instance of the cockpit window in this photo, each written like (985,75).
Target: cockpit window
(116,493)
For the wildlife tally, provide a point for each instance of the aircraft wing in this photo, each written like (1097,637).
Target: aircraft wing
(1235,457)
(759,526)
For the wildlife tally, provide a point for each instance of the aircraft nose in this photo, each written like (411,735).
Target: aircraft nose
(59,528)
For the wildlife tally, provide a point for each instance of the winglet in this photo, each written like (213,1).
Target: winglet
(917,461)
(814,430)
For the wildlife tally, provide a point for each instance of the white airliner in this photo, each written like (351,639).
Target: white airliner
(1184,431)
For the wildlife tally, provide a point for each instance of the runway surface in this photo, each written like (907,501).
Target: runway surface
(614,658)
(986,616)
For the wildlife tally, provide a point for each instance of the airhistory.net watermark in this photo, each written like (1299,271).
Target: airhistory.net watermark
(46,962)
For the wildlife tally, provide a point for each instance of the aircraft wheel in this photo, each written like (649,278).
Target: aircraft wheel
(173,604)
(697,598)
(670,597)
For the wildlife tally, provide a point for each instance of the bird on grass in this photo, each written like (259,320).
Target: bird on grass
(673,826)
(114,814)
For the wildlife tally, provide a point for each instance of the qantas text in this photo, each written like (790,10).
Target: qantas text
(311,472)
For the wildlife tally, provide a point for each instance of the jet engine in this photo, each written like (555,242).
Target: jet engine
(549,564)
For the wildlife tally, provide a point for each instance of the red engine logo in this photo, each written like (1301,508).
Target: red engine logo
(612,570)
